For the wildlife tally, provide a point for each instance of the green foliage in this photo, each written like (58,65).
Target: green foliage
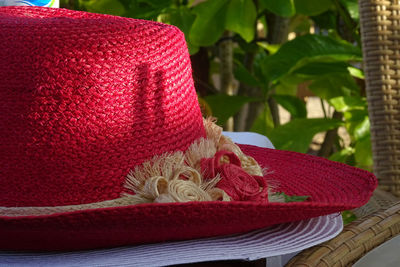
(287,8)
(333,85)
(113,7)
(294,105)
(305,50)
(226,106)
(326,61)
(241,18)
(297,134)
(288,198)
(209,23)
(348,217)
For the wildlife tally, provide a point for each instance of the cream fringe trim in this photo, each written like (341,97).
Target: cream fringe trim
(167,178)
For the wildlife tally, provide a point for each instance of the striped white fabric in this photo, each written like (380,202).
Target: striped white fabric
(273,241)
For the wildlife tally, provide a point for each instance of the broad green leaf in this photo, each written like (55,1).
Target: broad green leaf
(143,9)
(363,153)
(287,86)
(321,68)
(343,155)
(334,85)
(356,114)
(311,7)
(352,8)
(345,103)
(241,18)
(358,129)
(271,48)
(297,134)
(362,129)
(225,106)
(307,49)
(183,18)
(112,7)
(284,8)
(292,104)
(287,8)
(209,23)
(244,76)
(357,123)
(264,123)
(326,20)
(358,73)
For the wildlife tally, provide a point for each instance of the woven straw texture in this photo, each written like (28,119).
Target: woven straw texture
(331,186)
(380,30)
(84,98)
(357,238)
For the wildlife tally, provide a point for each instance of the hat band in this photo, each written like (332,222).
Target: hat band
(173,177)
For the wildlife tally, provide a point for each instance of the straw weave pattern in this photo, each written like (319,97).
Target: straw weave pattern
(331,187)
(380,29)
(84,98)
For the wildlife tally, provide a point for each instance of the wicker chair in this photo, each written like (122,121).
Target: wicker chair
(380,32)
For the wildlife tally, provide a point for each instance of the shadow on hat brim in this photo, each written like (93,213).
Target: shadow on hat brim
(331,187)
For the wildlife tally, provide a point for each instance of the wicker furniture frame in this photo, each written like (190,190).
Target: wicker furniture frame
(380,32)
(357,238)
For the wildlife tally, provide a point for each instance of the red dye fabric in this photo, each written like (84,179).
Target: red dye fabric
(331,187)
(84,98)
(237,183)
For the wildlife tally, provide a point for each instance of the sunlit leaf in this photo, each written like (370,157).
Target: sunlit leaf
(209,23)
(307,49)
(363,153)
(345,103)
(352,8)
(358,73)
(271,48)
(343,155)
(362,129)
(297,134)
(241,18)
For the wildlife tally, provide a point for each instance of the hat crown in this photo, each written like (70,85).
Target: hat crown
(84,98)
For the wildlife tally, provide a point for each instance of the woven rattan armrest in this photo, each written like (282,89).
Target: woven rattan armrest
(357,239)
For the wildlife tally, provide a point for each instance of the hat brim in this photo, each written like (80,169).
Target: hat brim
(331,187)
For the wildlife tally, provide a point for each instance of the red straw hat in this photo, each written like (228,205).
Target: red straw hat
(103,143)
